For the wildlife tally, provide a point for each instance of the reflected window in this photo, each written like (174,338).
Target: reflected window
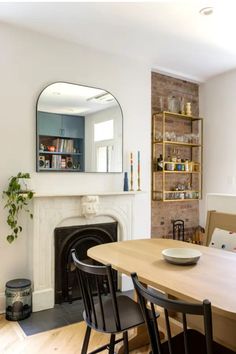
(104,130)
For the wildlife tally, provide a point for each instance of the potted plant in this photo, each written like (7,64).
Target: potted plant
(17,198)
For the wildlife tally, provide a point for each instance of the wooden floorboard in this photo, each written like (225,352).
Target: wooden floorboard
(64,340)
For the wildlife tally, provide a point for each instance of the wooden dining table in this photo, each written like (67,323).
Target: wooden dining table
(212,278)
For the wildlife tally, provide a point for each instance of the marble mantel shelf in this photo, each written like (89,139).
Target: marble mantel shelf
(82,194)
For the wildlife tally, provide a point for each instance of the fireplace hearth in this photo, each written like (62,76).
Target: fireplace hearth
(81,238)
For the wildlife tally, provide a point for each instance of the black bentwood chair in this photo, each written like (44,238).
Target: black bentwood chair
(187,342)
(104,310)
(178,230)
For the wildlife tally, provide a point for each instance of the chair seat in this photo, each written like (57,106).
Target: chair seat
(196,342)
(129,311)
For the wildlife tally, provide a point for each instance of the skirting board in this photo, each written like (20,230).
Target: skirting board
(43,300)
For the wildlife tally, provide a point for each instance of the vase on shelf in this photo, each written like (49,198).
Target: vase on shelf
(188,109)
(126,182)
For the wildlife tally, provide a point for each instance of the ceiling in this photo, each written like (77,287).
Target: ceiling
(169,36)
(76,100)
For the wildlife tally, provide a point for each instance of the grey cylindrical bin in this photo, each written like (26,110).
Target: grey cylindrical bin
(18,299)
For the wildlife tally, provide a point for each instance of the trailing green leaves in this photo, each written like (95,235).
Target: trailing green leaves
(16,202)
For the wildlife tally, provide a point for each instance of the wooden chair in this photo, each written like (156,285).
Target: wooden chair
(178,230)
(105,311)
(187,342)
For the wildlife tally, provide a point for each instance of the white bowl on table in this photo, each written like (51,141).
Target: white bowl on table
(184,256)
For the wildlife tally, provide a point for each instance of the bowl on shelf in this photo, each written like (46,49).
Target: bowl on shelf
(52,148)
(181,256)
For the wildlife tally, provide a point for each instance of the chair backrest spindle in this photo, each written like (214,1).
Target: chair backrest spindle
(168,330)
(100,302)
(184,320)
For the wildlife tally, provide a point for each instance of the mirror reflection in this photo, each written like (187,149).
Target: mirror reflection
(79,129)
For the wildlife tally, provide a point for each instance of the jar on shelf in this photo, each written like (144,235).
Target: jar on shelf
(182,105)
(173,104)
(195,138)
(174,155)
(188,109)
(186,165)
(170,166)
(173,159)
(179,167)
(194,195)
(172,136)
(158,136)
(160,102)
(167,136)
(160,163)
(180,138)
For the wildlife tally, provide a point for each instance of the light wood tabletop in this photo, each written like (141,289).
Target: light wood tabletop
(213,277)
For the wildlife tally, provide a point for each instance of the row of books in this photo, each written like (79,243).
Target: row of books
(56,161)
(60,162)
(64,145)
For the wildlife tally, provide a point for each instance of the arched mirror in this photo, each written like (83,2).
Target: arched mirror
(79,129)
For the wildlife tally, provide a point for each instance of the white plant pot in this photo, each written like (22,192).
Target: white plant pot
(25,184)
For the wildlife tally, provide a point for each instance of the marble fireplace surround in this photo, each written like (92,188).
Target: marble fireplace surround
(51,211)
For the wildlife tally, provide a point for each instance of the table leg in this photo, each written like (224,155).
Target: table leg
(138,340)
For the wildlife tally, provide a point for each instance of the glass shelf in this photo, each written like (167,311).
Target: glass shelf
(178,172)
(179,200)
(176,143)
(177,115)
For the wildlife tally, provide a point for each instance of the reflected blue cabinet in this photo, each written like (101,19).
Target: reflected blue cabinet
(60,142)
(49,124)
(73,127)
(59,125)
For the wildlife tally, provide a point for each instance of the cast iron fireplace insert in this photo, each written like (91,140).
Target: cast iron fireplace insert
(81,238)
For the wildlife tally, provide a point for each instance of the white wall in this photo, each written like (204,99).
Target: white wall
(218,106)
(28,63)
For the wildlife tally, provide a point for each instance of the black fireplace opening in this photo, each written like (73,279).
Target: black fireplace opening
(81,238)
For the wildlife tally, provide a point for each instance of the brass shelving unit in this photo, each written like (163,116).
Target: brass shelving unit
(160,193)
